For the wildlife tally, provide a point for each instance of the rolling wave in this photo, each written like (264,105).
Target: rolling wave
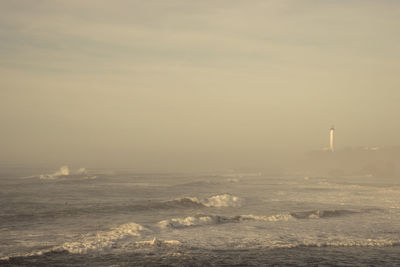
(200,220)
(218,201)
(102,240)
(127,235)
(170,245)
(317,214)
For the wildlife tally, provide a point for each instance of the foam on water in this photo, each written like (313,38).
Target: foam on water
(278,213)
(63,173)
(103,240)
(192,221)
(200,220)
(157,242)
(217,201)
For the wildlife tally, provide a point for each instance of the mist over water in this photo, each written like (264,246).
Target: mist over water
(199,133)
(171,86)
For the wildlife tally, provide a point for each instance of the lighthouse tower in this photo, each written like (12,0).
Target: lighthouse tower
(331,139)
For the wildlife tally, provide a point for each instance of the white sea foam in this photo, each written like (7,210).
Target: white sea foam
(103,240)
(218,201)
(200,220)
(188,221)
(157,242)
(34,253)
(65,172)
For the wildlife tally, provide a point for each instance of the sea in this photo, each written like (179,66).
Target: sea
(119,217)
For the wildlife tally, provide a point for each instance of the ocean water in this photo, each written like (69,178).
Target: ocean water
(122,218)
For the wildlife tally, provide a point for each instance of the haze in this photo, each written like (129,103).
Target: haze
(194,85)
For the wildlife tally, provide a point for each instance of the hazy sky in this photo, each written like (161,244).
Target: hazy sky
(158,85)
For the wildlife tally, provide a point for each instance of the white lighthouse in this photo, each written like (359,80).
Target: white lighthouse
(331,139)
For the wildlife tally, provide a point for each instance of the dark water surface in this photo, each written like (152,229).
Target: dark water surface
(120,218)
(310,256)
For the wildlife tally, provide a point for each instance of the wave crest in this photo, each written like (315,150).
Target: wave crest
(197,220)
(217,201)
(200,220)
(63,173)
(103,240)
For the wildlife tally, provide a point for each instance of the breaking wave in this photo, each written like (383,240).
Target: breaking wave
(197,220)
(218,201)
(200,220)
(102,240)
(168,249)
(95,242)
(63,173)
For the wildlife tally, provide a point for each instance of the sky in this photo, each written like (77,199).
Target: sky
(194,85)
